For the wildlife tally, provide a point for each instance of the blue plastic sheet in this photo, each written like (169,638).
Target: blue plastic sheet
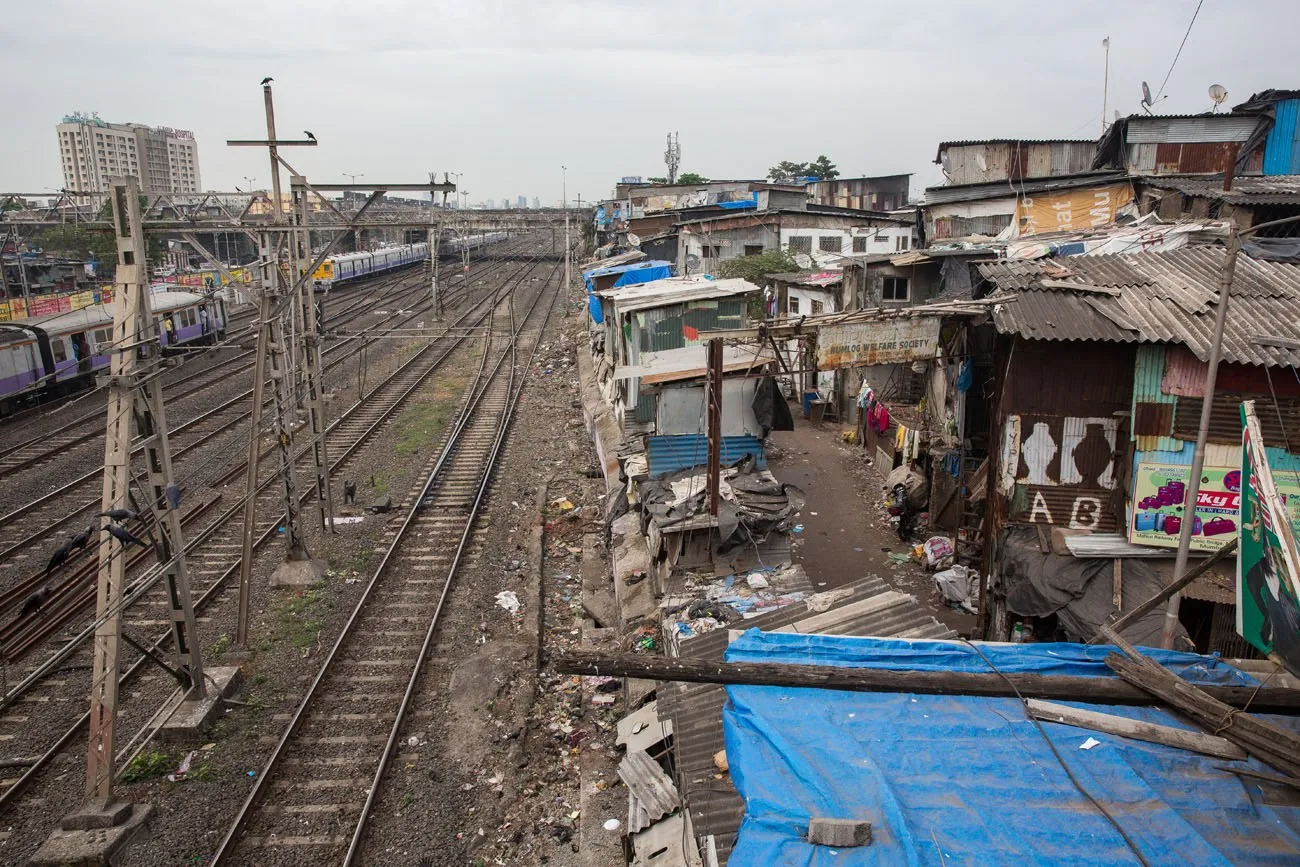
(629,275)
(972,777)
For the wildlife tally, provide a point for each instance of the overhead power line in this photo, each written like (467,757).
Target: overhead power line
(1179,52)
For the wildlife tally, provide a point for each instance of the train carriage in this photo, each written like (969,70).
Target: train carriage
(62,352)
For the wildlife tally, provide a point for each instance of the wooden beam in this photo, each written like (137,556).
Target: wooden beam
(1159,599)
(1105,690)
(1197,742)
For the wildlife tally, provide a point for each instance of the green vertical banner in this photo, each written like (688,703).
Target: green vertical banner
(1268,577)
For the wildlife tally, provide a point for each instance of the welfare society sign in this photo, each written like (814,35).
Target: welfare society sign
(889,341)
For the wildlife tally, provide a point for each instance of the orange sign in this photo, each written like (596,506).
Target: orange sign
(1072,210)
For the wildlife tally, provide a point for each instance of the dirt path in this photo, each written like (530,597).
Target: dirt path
(846,534)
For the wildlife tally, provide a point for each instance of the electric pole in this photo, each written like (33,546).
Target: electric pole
(564,201)
(311,349)
(134,400)
(272,360)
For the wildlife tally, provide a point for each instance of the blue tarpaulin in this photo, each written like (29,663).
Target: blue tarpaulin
(751,202)
(629,275)
(970,780)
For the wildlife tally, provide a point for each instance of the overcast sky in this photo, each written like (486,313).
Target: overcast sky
(507,92)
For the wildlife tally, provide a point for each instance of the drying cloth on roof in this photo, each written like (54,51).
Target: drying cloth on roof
(971,777)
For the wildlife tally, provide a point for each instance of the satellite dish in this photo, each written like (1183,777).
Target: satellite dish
(1146,96)
(1218,93)
(633,239)
(1117,115)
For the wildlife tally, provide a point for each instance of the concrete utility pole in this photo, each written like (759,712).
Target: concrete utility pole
(313,369)
(134,397)
(564,200)
(713,352)
(271,353)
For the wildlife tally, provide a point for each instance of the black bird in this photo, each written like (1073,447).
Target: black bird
(174,495)
(57,559)
(35,602)
(309,134)
(267,80)
(349,492)
(119,515)
(238,190)
(123,536)
(81,541)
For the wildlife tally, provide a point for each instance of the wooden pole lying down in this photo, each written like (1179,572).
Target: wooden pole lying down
(1104,690)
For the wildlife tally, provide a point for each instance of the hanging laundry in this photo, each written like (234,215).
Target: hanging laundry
(900,440)
(966,376)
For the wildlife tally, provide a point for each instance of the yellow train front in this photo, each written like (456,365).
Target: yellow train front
(352,266)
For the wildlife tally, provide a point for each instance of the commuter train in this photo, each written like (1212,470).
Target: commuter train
(59,353)
(351,266)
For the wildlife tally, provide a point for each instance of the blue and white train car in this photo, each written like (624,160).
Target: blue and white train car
(351,266)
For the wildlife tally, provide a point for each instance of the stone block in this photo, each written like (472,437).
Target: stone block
(94,846)
(839,833)
(193,716)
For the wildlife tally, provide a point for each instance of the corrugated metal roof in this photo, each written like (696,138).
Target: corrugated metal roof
(1011,189)
(651,793)
(1190,128)
(864,607)
(1022,141)
(1273,190)
(668,454)
(612,261)
(1164,298)
(814,277)
(674,290)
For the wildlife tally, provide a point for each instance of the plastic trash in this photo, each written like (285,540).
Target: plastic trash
(613,824)
(508,600)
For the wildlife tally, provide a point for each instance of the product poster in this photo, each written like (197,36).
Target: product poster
(1268,565)
(1159,506)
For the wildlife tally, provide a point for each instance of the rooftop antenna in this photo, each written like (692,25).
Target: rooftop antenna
(1105,84)
(673,156)
(1218,93)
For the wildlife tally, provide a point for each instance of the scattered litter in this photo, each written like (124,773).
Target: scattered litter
(797,528)
(938,552)
(183,768)
(508,600)
(1089,744)
(206,747)
(756,581)
(351,580)
(413,741)
(900,558)
(857,549)
(720,761)
(814,514)
(958,586)
(612,824)
(564,504)
(252,773)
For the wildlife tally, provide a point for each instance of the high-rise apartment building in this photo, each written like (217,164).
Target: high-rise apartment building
(92,151)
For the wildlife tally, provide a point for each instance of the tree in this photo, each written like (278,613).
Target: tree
(657,180)
(786,172)
(755,268)
(692,178)
(823,169)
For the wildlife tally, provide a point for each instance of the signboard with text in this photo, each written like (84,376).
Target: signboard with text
(891,341)
(1159,505)
(1268,563)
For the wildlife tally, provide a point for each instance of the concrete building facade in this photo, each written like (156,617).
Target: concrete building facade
(92,151)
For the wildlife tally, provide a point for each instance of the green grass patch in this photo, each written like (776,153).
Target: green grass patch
(149,765)
(299,617)
(420,424)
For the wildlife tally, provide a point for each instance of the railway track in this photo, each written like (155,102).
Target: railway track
(409,286)
(66,505)
(328,768)
(212,551)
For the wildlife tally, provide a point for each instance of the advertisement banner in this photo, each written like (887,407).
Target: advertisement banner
(1072,210)
(4,311)
(82,299)
(18,308)
(891,341)
(1268,564)
(1159,495)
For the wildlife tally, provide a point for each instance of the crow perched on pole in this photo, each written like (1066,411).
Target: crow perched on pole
(119,515)
(123,536)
